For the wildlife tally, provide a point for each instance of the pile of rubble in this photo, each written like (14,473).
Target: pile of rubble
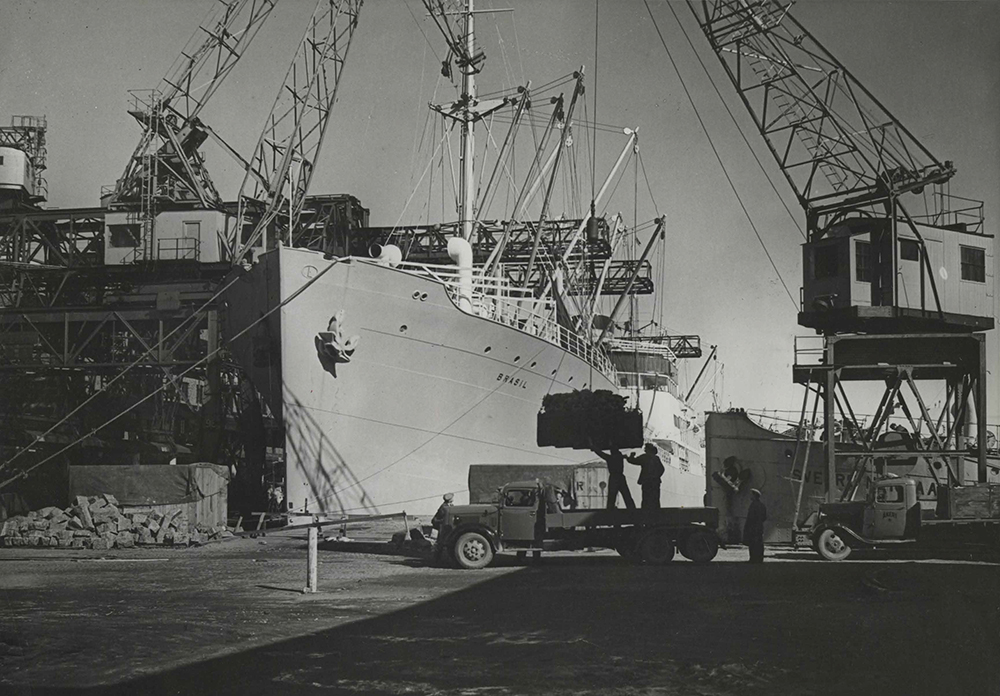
(99,522)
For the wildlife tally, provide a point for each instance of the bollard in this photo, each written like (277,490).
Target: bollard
(311,577)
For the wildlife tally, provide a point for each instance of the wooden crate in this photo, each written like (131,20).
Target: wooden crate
(976,501)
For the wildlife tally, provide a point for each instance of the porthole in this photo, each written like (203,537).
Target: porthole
(570,379)
(488,349)
(517,358)
(554,372)
(416,294)
(423,296)
(402,328)
(533,364)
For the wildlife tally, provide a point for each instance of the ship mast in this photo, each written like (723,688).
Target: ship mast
(467,192)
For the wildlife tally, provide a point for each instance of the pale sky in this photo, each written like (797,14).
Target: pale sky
(934,64)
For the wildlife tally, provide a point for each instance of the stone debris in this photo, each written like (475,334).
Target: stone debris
(100,523)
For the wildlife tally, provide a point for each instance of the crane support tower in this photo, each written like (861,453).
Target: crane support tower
(897,272)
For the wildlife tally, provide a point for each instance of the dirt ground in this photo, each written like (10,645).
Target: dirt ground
(230,618)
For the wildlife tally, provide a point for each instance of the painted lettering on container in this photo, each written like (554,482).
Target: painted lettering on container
(514,381)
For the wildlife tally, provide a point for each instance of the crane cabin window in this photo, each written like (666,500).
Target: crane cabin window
(124,235)
(826,261)
(909,250)
(862,262)
(973,264)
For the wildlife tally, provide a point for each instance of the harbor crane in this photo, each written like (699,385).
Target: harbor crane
(898,296)
(167,165)
(289,144)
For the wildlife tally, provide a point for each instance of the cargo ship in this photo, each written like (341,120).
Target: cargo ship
(401,356)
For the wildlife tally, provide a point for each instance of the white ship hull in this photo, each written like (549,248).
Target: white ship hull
(428,391)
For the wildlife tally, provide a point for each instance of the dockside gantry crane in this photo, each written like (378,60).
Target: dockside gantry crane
(897,295)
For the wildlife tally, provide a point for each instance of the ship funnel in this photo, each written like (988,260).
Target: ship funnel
(460,252)
(387,255)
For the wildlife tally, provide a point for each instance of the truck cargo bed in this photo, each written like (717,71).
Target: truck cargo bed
(608,518)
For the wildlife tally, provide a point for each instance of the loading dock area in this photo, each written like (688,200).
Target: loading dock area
(230,618)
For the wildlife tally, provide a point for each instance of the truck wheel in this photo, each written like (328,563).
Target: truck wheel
(656,548)
(830,546)
(700,546)
(473,551)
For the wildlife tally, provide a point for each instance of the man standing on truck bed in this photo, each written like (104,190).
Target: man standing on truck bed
(616,479)
(650,473)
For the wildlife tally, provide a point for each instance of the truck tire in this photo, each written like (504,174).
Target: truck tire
(700,546)
(656,547)
(473,551)
(831,546)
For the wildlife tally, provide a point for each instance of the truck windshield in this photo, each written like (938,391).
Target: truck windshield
(519,498)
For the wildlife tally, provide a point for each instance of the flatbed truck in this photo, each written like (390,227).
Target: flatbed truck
(892,517)
(528,517)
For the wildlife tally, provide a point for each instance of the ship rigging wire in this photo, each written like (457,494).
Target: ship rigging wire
(438,433)
(718,157)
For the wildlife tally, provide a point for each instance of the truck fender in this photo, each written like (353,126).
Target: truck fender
(490,534)
(843,532)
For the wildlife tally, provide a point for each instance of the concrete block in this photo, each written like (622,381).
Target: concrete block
(152,525)
(53,540)
(161,535)
(83,513)
(125,540)
(110,499)
(48,512)
(96,504)
(81,534)
(99,544)
(145,536)
(77,543)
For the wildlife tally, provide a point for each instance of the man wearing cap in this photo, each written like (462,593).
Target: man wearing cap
(441,511)
(650,472)
(753,528)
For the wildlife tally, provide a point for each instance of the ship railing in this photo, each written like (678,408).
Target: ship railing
(494,298)
(646,347)
(649,381)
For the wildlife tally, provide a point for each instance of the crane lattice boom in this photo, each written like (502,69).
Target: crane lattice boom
(835,142)
(289,145)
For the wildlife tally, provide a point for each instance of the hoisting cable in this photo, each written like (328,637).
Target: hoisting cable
(718,157)
(24,472)
(736,123)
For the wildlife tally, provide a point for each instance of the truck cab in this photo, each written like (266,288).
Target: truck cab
(889,513)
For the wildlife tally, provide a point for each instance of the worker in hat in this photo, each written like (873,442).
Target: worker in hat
(753,528)
(441,511)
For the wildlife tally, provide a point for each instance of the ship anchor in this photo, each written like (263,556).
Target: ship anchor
(331,346)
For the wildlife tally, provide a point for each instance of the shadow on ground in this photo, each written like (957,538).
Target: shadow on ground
(593,624)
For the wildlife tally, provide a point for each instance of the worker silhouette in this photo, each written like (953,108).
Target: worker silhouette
(438,518)
(616,479)
(753,528)
(650,472)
